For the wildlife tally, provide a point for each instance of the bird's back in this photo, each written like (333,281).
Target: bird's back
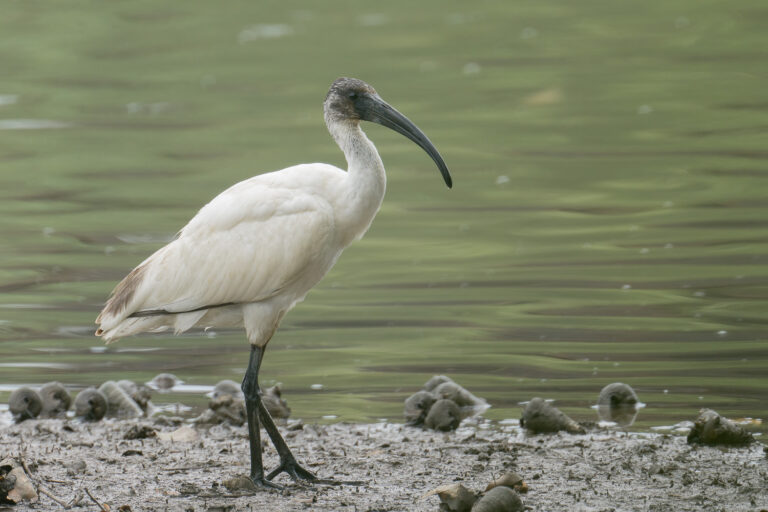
(267,239)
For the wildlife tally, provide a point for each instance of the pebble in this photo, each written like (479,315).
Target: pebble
(712,429)
(444,415)
(539,416)
(164,382)
(182,434)
(142,395)
(227,387)
(455,393)
(25,403)
(56,400)
(618,403)
(617,394)
(15,486)
(417,407)
(91,404)
(453,497)
(119,403)
(273,401)
(440,389)
(436,381)
(499,499)
(509,479)
(239,483)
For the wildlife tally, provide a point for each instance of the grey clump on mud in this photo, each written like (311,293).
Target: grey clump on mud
(444,415)
(24,404)
(120,404)
(617,394)
(457,394)
(712,429)
(228,406)
(91,404)
(273,401)
(142,395)
(429,406)
(399,464)
(223,408)
(455,497)
(509,479)
(539,416)
(417,406)
(56,400)
(499,499)
(164,382)
(435,381)
(227,387)
(618,403)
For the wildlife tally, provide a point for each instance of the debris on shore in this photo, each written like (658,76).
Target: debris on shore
(618,403)
(56,400)
(442,404)
(227,405)
(540,416)
(396,464)
(91,404)
(712,429)
(499,496)
(15,486)
(25,403)
(119,403)
(382,466)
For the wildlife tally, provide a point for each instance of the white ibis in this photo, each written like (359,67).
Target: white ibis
(257,249)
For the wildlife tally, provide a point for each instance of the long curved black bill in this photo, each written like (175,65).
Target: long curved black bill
(376,110)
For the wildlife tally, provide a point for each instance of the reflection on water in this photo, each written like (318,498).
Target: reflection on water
(32,124)
(39,364)
(607,222)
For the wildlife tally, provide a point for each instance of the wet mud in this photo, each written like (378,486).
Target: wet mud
(393,465)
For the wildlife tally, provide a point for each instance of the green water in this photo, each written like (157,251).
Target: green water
(608,220)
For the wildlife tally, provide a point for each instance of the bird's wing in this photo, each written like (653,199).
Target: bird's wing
(246,245)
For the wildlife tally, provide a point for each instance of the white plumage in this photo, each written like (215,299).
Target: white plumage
(255,250)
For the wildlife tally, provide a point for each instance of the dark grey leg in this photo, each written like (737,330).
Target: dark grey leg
(253,404)
(287,460)
(257,412)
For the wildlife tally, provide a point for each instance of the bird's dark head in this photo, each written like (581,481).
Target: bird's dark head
(350,100)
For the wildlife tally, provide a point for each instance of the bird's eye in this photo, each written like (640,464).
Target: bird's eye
(352,95)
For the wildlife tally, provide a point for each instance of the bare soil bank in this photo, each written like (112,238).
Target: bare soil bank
(600,471)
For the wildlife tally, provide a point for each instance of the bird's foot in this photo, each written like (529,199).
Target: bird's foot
(262,483)
(296,472)
(299,474)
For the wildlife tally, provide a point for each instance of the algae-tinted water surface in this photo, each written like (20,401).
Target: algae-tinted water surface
(608,219)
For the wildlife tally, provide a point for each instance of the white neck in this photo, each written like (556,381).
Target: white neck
(366,180)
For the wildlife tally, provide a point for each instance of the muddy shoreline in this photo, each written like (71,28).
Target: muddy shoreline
(600,471)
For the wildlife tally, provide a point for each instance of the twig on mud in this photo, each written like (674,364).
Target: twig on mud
(101,507)
(23,456)
(76,499)
(51,480)
(43,490)
(40,488)
(26,468)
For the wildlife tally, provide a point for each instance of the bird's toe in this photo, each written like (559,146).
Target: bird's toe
(295,471)
(265,484)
